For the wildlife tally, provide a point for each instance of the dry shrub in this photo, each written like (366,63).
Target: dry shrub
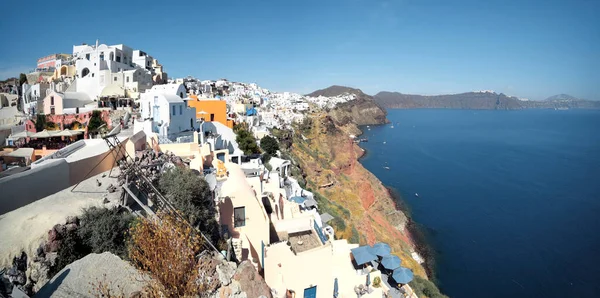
(166,248)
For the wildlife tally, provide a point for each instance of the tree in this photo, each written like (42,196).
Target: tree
(40,122)
(269,145)
(191,195)
(95,121)
(246,142)
(22,79)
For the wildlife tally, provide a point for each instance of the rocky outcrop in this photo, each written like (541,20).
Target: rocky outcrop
(94,274)
(361,111)
(226,279)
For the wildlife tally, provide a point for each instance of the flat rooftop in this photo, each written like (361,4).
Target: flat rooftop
(303,241)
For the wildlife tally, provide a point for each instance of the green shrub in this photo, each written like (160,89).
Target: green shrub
(71,249)
(425,288)
(355,236)
(105,229)
(377,282)
(95,121)
(191,195)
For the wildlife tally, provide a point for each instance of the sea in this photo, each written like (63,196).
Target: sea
(509,201)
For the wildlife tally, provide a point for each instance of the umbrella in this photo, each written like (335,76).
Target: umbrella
(402,275)
(336,291)
(368,279)
(202,113)
(43,134)
(391,262)
(23,134)
(64,133)
(381,249)
(362,255)
(76,132)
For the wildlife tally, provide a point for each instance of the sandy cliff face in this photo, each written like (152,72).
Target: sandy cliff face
(364,210)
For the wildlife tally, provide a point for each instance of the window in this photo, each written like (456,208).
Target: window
(51,100)
(212,117)
(173,110)
(127,79)
(181,94)
(102,56)
(180,110)
(115,79)
(239,217)
(92,74)
(87,56)
(52,111)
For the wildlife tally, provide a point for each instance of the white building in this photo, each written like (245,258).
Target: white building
(165,113)
(100,66)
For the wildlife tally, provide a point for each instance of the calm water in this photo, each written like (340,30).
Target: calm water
(510,199)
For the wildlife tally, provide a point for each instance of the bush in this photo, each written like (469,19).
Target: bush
(167,249)
(424,287)
(191,195)
(71,249)
(377,282)
(269,145)
(100,230)
(105,229)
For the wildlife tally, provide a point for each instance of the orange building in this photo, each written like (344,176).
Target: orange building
(211,110)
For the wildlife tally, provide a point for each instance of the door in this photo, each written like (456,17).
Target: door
(310,292)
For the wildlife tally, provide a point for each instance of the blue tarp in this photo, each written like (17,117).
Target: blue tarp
(381,249)
(251,112)
(391,262)
(362,255)
(402,275)
(298,200)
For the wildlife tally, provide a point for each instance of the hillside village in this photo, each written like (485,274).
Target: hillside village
(106,128)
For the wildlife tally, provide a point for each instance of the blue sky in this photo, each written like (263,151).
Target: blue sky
(531,49)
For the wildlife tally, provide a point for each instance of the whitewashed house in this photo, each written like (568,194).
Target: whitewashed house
(101,66)
(165,113)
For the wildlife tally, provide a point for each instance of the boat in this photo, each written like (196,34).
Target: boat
(392,126)
(416,195)
(387,168)
(384,142)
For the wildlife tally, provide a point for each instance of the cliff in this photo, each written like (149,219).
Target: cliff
(478,100)
(361,111)
(362,207)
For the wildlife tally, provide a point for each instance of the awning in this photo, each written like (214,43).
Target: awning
(326,217)
(402,275)
(363,255)
(391,262)
(381,249)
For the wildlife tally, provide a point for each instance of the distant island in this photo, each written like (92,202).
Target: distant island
(485,100)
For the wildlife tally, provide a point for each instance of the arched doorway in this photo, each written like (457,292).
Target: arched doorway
(63,70)
(85,72)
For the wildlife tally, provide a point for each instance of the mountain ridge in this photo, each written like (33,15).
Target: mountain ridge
(486,100)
